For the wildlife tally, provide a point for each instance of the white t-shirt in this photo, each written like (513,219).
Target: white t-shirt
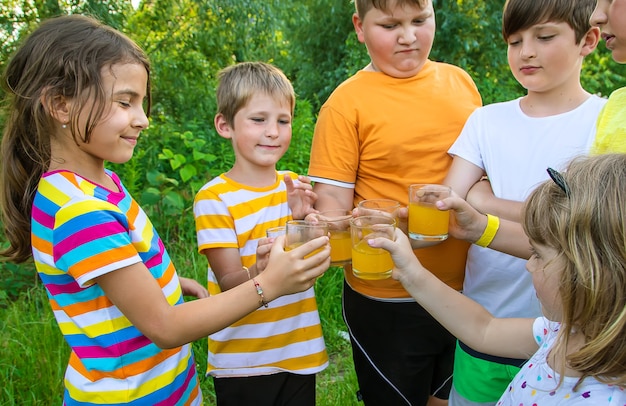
(536,383)
(515,150)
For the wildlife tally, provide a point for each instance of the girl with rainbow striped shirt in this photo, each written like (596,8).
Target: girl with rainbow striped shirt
(76,96)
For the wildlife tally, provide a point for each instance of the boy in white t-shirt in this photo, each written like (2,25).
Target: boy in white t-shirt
(513,142)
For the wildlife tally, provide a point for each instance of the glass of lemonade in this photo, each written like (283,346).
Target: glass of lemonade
(274,232)
(298,232)
(367,262)
(378,207)
(426,221)
(338,221)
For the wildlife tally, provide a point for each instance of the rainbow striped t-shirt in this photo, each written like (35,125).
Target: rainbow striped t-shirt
(81,230)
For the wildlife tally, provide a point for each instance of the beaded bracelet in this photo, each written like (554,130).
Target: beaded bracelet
(245,268)
(260,292)
(493,223)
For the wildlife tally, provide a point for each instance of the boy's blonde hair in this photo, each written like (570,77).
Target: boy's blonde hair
(522,14)
(363,6)
(587,226)
(239,82)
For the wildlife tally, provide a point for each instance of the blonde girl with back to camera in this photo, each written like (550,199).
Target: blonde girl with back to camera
(576,224)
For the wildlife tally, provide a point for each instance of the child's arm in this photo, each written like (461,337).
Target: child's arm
(139,297)
(300,196)
(482,198)
(226,265)
(464,318)
(462,175)
(331,197)
(468,224)
(464,179)
(191,287)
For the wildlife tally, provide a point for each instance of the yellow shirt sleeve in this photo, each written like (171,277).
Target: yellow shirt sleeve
(611,125)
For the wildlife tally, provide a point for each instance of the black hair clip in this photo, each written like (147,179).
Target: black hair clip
(559,180)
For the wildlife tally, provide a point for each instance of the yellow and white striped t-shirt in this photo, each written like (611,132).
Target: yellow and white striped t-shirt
(286,336)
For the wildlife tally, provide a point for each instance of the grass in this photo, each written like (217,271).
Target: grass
(33,354)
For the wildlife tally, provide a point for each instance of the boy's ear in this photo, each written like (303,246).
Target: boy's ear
(358,27)
(56,105)
(590,41)
(221,125)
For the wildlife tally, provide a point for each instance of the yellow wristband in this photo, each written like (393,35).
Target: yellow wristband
(493,223)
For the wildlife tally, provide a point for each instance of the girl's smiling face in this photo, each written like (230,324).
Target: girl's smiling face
(546,266)
(115,135)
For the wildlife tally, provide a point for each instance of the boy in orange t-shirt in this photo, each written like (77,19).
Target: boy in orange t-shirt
(384,128)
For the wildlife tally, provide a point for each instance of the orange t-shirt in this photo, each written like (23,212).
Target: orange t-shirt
(381,134)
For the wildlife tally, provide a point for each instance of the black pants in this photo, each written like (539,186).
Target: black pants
(279,389)
(401,354)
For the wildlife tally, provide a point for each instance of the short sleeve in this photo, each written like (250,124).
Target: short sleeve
(335,150)
(467,145)
(543,329)
(91,238)
(215,226)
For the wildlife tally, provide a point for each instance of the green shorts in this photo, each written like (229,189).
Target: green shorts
(480,380)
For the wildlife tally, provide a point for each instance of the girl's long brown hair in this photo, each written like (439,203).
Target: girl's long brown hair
(63,57)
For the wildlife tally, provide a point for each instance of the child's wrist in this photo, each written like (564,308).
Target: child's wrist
(250,272)
(259,290)
(493,224)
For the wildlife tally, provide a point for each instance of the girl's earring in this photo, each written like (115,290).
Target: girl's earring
(64,126)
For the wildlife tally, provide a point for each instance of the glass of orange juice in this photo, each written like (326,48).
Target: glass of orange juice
(274,232)
(338,221)
(298,232)
(426,221)
(378,207)
(367,262)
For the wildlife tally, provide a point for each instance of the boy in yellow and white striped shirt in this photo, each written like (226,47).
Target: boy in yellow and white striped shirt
(272,355)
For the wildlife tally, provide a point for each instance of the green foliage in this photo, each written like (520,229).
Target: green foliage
(469,34)
(296,158)
(251,29)
(319,57)
(16,279)
(176,46)
(600,74)
(18,17)
(33,353)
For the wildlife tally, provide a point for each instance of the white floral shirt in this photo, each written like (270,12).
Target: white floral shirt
(537,383)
